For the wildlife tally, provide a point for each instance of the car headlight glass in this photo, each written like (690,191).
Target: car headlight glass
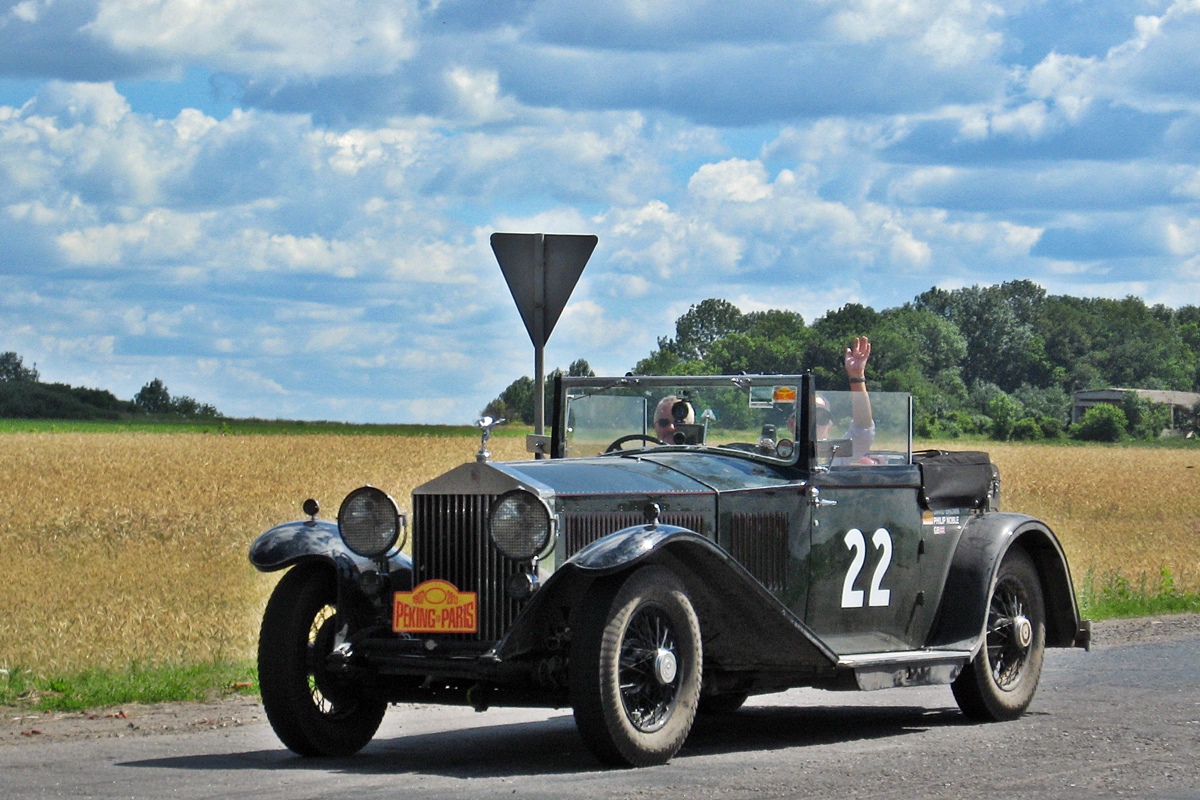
(519,524)
(369,522)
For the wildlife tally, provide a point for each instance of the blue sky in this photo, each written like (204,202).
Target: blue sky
(282,207)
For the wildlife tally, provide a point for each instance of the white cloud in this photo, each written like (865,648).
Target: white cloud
(1183,238)
(301,37)
(667,244)
(737,180)
(355,150)
(478,95)
(27,10)
(160,234)
(952,32)
(70,104)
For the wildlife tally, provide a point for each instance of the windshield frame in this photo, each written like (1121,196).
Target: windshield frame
(573,388)
(808,452)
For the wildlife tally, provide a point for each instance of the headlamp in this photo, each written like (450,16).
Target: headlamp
(369,522)
(520,524)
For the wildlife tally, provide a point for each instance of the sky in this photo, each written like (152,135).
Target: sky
(283,207)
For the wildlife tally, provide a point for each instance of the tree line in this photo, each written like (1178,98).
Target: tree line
(24,396)
(1001,360)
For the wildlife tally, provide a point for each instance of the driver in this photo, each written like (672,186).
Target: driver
(672,410)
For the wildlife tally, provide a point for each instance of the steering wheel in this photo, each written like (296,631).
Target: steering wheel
(633,437)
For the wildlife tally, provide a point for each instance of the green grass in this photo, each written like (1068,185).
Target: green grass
(245,427)
(1113,595)
(138,684)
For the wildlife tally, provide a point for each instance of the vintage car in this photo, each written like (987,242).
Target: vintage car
(641,581)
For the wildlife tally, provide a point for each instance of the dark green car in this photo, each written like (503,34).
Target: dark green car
(679,545)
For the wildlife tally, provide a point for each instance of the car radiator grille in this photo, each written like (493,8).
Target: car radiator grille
(450,542)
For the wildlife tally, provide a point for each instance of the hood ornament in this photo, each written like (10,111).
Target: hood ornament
(485,425)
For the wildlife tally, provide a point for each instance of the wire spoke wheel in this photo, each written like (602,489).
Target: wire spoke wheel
(322,637)
(1001,680)
(635,668)
(648,669)
(313,712)
(1009,634)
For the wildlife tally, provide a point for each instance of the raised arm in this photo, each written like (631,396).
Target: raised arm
(856,369)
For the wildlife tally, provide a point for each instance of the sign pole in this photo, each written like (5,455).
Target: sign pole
(540,335)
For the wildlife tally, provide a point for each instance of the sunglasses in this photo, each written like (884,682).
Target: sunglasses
(663,423)
(823,417)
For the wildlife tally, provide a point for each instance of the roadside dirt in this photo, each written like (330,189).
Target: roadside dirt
(23,726)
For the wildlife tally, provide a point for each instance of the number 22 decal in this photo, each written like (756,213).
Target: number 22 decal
(857,543)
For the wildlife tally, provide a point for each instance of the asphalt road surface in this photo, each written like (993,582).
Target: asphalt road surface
(1120,721)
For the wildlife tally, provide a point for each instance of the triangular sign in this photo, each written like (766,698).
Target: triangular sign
(541,270)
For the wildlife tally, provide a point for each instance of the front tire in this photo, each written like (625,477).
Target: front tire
(635,668)
(1000,681)
(311,711)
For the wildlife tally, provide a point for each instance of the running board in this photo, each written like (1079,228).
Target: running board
(913,668)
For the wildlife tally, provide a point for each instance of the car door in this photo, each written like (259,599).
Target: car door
(865,591)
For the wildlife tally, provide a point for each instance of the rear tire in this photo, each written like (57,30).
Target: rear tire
(1001,680)
(635,668)
(312,711)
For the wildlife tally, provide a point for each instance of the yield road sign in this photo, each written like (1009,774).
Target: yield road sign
(541,270)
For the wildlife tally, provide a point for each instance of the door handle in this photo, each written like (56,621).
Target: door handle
(816,501)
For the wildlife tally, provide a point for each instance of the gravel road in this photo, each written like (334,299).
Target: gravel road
(1120,721)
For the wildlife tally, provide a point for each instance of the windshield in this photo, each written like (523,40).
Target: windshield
(750,413)
(842,442)
(753,414)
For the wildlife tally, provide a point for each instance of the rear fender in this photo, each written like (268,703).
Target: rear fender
(962,615)
(743,624)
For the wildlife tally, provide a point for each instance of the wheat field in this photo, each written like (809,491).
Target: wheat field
(129,548)
(1135,510)
(118,549)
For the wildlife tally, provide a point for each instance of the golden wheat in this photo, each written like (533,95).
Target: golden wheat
(131,548)
(1127,509)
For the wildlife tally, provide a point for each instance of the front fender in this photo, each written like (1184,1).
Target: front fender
(312,540)
(745,627)
(962,615)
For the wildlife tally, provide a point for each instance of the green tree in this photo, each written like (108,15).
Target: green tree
(1144,419)
(696,332)
(516,401)
(1001,326)
(580,368)
(1103,422)
(12,368)
(774,342)
(1005,412)
(1101,342)
(153,398)
(1026,429)
(831,335)
(702,325)
(186,406)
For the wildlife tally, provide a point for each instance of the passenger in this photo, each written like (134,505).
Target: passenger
(862,419)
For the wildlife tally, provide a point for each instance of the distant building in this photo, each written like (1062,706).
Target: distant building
(1181,403)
